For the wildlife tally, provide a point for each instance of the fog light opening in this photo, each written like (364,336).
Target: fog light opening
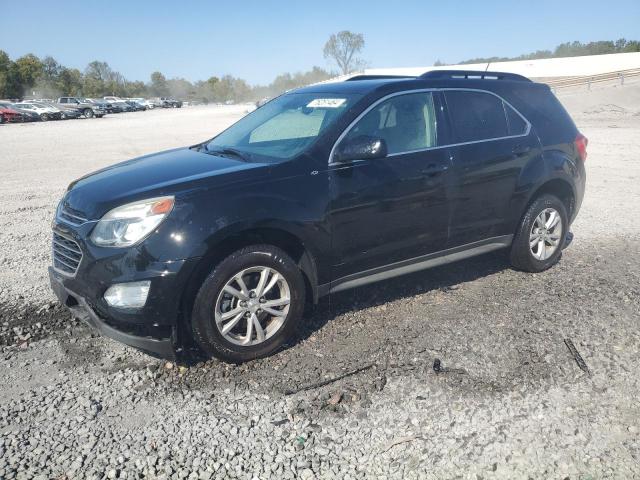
(128,295)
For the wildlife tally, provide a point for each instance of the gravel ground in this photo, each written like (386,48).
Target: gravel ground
(509,401)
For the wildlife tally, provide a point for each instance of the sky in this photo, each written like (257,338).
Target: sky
(257,40)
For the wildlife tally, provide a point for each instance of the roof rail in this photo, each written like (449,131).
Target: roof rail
(474,74)
(376,77)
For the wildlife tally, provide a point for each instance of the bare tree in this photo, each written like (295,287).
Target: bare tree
(343,47)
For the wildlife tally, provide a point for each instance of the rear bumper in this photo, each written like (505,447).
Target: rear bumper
(160,347)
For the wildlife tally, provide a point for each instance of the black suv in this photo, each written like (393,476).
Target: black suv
(322,189)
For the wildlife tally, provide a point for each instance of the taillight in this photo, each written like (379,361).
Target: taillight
(581,143)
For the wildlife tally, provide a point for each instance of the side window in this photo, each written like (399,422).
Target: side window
(404,122)
(476,115)
(517,126)
(63,100)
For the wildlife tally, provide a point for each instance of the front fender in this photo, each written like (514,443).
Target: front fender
(295,205)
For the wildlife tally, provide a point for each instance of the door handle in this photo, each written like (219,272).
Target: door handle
(434,169)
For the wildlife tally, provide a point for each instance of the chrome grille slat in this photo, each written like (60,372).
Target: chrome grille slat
(67,216)
(66,247)
(65,264)
(72,259)
(66,254)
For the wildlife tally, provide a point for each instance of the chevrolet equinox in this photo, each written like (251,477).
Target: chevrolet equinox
(325,188)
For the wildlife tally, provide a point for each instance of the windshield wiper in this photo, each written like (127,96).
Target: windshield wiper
(228,151)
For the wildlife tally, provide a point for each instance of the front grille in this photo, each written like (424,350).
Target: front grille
(66,254)
(69,217)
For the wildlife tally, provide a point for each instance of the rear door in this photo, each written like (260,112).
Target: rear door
(395,208)
(492,143)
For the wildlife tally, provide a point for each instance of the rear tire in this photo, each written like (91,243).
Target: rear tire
(44,117)
(88,113)
(541,235)
(273,309)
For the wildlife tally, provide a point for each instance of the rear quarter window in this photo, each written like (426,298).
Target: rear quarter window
(517,125)
(550,121)
(476,116)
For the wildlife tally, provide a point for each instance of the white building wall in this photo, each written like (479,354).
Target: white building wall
(543,68)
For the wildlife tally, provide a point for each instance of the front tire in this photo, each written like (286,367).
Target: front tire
(250,305)
(541,235)
(88,113)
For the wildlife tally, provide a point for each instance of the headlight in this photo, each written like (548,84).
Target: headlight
(128,224)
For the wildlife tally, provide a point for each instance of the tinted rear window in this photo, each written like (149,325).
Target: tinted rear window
(476,115)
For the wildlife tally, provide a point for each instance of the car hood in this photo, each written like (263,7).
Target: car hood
(164,173)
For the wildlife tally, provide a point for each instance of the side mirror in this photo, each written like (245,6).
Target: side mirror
(362,147)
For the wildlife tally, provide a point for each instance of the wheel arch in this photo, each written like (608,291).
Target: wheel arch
(291,244)
(560,188)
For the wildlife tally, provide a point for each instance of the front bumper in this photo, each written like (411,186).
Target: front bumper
(80,309)
(154,328)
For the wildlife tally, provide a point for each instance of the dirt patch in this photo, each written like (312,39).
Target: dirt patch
(29,323)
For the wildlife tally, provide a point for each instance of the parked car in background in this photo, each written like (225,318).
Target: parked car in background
(8,114)
(69,113)
(99,105)
(39,100)
(136,106)
(28,115)
(88,110)
(123,106)
(45,112)
(169,102)
(148,104)
(108,105)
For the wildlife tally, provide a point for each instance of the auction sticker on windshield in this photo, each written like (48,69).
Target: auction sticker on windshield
(326,103)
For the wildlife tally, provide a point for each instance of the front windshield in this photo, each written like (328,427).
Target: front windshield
(284,127)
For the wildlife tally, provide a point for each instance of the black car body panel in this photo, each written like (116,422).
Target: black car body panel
(354,222)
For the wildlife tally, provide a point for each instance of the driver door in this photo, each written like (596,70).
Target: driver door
(395,208)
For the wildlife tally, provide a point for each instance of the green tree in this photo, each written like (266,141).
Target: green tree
(137,89)
(158,86)
(95,79)
(69,81)
(6,89)
(180,88)
(29,69)
(343,48)
(50,69)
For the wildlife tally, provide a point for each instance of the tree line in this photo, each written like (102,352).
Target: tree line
(30,76)
(567,49)
(45,77)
